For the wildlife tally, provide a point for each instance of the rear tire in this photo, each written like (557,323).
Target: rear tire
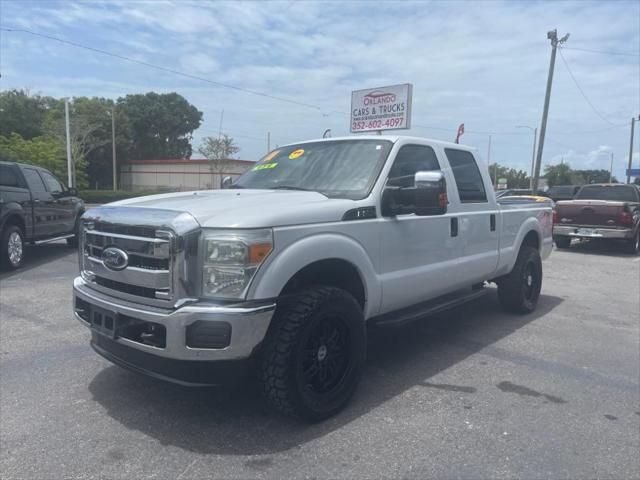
(562,241)
(519,290)
(314,354)
(633,246)
(12,248)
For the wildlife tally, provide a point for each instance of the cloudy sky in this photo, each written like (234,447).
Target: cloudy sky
(483,63)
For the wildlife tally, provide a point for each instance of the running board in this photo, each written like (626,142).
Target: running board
(431,307)
(48,240)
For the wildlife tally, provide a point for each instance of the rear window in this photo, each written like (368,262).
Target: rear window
(614,194)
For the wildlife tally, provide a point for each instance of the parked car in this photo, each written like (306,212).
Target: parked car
(35,207)
(562,192)
(602,211)
(282,271)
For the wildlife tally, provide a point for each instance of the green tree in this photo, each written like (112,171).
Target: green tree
(23,113)
(47,152)
(515,178)
(561,175)
(159,125)
(91,137)
(218,151)
(595,176)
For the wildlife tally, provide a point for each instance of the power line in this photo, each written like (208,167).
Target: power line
(582,92)
(603,52)
(164,69)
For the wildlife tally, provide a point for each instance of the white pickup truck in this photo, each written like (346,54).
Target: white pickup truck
(281,272)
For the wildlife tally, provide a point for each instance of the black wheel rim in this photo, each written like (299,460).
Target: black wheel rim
(529,281)
(326,355)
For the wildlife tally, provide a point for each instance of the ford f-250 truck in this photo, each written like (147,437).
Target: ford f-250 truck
(609,211)
(35,207)
(281,272)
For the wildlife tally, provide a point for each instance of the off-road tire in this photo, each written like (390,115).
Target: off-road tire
(519,290)
(280,372)
(562,241)
(7,261)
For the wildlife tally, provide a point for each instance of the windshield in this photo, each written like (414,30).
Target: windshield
(337,169)
(615,194)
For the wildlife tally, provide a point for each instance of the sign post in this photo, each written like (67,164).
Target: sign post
(383,108)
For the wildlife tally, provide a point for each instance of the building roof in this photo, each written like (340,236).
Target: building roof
(183,161)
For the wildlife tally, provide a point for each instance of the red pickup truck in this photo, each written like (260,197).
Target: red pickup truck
(609,211)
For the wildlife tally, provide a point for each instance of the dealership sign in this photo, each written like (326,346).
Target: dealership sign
(383,108)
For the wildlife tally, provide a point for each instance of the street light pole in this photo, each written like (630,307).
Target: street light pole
(633,121)
(68,135)
(113,148)
(611,169)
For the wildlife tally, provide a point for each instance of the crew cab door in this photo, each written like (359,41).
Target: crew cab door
(478,218)
(63,204)
(42,203)
(418,253)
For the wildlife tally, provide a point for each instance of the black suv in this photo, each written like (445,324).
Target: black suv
(35,207)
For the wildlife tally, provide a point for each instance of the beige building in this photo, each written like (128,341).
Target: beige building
(178,175)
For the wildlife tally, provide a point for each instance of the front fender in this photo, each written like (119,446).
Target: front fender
(275,274)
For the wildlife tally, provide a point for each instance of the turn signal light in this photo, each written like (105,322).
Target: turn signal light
(555,216)
(443,201)
(257,253)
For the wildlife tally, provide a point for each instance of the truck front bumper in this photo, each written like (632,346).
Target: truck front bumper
(593,232)
(200,343)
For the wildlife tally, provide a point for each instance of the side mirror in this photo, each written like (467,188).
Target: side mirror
(73,191)
(431,193)
(428,196)
(226,182)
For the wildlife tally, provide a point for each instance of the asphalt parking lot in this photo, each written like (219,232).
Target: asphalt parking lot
(471,393)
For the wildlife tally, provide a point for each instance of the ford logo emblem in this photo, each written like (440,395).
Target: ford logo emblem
(115,259)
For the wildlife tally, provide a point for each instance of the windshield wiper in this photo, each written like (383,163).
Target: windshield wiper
(291,187)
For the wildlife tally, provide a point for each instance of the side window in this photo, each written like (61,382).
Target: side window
(8,177)
(409,160)
(53,185)
(33,180)
(467,175)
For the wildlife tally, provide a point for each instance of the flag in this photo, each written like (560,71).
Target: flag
(460,132)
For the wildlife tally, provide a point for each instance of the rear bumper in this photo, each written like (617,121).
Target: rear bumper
(595,232)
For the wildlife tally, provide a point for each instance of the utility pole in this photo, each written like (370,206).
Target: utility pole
(633,121)
(268,142)
(611,169)
(70,176)
(553,36)
(113,148)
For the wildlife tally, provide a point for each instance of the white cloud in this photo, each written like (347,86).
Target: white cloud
(482,63)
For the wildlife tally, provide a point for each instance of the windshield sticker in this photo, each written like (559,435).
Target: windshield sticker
(265,166)
(270,156)
(296,154)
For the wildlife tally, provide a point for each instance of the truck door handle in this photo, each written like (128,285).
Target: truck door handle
(492,222)
(454,227)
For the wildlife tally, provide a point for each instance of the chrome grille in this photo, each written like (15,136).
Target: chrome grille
(161,246)
(149,270)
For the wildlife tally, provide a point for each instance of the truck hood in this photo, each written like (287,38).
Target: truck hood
(246,208)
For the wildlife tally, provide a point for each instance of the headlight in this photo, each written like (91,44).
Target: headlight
(231,259)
